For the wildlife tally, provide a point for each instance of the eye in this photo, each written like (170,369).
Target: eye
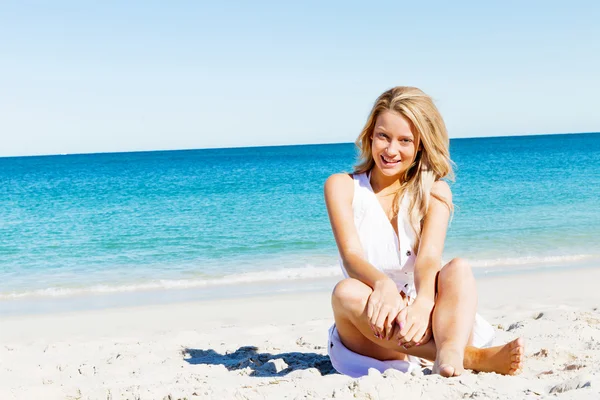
(382,135)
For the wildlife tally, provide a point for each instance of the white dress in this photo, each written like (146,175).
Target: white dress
(395,256)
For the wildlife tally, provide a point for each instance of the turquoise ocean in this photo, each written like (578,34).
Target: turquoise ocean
(144,227)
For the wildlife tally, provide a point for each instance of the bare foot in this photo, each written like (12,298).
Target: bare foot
(505,360)
(449,362)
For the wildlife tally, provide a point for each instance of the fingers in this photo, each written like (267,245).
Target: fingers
(374,321)
(415,333)
(382,312)
(426,337)
(383,324)
(391,325)
(395,321)
(411,330)
(372,307)
(401,321)
(380,321)
(407,327)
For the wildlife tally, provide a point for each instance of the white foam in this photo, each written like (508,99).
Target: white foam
(308,272)
(530,260)
(279,275)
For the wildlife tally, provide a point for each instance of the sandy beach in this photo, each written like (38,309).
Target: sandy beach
(274,347)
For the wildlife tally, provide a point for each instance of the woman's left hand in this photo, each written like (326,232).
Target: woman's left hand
(414,323)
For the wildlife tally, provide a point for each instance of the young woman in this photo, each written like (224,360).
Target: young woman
(389,219)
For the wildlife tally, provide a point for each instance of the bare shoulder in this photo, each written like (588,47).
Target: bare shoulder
(339,186)
(441,190)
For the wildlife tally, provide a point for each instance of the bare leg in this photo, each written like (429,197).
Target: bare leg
(349,301)
(453,316)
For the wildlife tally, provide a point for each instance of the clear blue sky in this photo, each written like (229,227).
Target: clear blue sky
(103,76)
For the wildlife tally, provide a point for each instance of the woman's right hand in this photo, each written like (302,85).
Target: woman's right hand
(383,307)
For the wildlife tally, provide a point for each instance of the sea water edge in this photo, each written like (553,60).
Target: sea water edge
(96,231)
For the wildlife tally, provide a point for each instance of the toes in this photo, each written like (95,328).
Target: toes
(515,368)
(516,371)
(520,344)
(517,349)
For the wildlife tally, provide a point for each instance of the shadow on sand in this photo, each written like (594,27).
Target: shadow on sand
(261,364)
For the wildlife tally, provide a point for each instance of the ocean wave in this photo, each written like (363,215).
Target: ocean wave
(530,260)
(266,276)
(275,275)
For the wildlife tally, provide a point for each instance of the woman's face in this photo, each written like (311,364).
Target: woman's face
(393,143)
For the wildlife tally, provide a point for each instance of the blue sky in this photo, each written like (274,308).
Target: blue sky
(80,77)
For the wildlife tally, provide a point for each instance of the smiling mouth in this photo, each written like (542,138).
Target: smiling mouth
(389,162)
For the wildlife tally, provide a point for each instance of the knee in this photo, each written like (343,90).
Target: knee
(457,269)
(350,295)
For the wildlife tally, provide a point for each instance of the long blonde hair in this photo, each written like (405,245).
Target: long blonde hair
(432,156)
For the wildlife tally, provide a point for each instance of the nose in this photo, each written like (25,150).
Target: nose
(393,148)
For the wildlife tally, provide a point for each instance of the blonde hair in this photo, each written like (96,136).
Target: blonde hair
(432,156)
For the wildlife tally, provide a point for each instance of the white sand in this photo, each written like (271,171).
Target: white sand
(276,349)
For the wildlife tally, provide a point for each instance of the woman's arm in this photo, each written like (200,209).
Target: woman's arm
(385,302)
(414,320)
(433,236)
(339,192)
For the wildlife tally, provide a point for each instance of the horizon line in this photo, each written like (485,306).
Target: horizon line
(281,145)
